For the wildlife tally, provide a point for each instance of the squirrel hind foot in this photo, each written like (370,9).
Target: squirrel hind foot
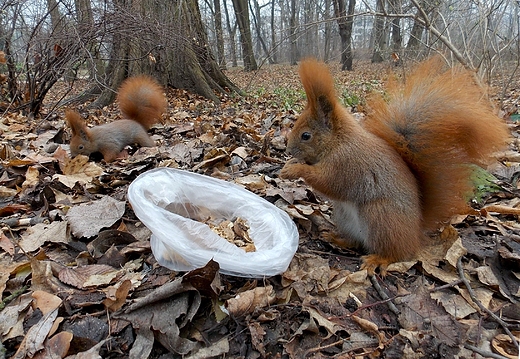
(372,262)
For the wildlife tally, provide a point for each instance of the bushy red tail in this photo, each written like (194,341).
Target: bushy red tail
(440,122)
(141,99)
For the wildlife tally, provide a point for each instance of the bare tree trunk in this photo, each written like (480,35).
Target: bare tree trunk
(395,6)
(242,16)
(293,25)
(378,31)
(85,21)
(220,38)
(415,35)
(181,59)
(274,50)
(326,35)
(345,30)
(256,19)
(232,30)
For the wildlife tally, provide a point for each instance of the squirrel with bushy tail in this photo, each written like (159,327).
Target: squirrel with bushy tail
(142,102)
(406,169)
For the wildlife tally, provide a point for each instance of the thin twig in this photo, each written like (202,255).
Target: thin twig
(447,285)
(473,297)
(383,294)
(484,353)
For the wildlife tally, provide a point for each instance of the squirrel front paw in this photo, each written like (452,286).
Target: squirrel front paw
(291,169)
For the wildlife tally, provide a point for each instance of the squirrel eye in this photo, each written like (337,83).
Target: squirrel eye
(306,136)
(80,147)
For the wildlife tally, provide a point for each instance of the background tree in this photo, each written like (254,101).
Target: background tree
(345,21)
(378,32)
(219,34)
(293,28)
(242,17)
(45,42)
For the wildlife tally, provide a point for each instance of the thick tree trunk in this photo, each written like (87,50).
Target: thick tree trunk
(171,46)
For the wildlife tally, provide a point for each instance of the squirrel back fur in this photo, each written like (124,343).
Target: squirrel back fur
(142,103)
(402,171)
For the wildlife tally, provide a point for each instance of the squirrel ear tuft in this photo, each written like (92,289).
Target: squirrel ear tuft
(77,124)
(318,84)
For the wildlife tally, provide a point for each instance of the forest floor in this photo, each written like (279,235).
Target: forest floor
(79,278)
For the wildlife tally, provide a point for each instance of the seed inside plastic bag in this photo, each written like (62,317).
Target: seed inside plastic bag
(235,231)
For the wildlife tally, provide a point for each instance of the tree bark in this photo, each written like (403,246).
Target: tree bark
(258,27)
(274,45)
(232,30)
(293,27)
(220,38)
(415,34)
(378,31)
(242,16)
(172,46)
(327,32)
(396,28)
(345,21)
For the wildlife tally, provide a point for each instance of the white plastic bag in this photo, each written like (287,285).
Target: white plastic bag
(166,200)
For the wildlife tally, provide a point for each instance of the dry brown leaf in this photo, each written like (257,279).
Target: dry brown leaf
(31,178)
(246,302)
(220,348)
(487,277)
(454,304)
(257,337)
(46,302)
(456,251)
(86,220)
(503,345)
(12,317)
(35,236)
(6,245)
(88,276)
(371,327)
(56,347)
(116,302)
(36,335)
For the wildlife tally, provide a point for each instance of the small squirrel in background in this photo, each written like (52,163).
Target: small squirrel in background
(406,168)
(142,102)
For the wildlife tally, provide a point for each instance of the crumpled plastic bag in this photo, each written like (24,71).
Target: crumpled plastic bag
(168,201)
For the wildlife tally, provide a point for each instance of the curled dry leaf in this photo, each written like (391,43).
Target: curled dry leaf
(250,300)
(503,345)
(117,301)
(36,335)
(371,327)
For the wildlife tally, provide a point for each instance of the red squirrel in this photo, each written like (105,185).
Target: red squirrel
(141,101)
(406,168)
